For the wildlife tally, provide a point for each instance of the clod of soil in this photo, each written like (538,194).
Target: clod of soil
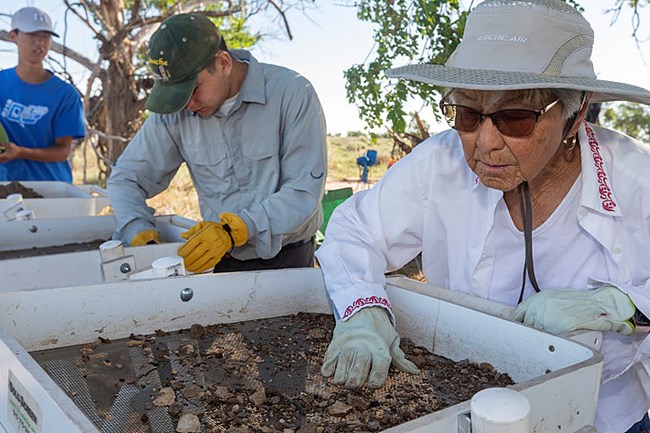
(260,376)
(18,188)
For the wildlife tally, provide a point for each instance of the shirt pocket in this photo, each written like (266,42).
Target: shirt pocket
(261,157)
(210,168)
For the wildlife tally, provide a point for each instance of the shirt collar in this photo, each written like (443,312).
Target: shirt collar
(597,192)
(253,89)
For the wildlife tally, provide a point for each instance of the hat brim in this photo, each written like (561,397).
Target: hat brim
(36,29)
(168,98)
(491,80)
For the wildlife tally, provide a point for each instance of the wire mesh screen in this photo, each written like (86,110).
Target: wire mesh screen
(255,376)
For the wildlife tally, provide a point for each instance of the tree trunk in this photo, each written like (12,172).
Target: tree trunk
(123,110)
(122,106)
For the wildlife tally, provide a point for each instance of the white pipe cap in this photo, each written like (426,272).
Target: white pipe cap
(500,410)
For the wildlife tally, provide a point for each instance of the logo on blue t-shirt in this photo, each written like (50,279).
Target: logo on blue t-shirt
(23,114)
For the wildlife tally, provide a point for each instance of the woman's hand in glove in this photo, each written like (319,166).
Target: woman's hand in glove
(563,310)
(363,348)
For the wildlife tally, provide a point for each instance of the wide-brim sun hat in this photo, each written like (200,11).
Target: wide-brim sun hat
(523,44)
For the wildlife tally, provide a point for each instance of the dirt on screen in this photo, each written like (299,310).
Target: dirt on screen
(259,376)
(18,188)
(58,249)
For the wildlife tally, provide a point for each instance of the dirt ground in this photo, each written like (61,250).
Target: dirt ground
(260,376)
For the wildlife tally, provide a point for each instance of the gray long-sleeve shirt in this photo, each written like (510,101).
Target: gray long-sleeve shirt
(266,161)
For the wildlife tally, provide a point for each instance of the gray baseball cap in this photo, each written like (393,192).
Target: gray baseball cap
(30,20)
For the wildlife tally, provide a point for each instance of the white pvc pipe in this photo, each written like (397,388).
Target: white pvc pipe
(111,250)
(170,266)
(500,410)
(12,205)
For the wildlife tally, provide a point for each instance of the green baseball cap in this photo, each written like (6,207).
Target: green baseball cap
(182,46)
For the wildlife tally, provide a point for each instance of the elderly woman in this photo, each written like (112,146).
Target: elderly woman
(520,184)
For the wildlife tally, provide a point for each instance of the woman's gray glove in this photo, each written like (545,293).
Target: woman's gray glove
(562,310)
(362,348)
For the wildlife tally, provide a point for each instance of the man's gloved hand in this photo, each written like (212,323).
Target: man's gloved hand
(563,310)
(362,348)
(207,242)
(145,238)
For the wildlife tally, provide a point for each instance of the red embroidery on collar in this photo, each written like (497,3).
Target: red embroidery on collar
(603,188)
(362,302)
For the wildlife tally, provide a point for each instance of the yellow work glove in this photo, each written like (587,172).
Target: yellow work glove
(207,242)
(145,238)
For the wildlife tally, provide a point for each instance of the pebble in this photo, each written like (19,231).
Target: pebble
(221,393)
(339,409)
(307,428)
(258,397)
(197,331)
(358,403)
(317,333)
(191,391)
(166,397)
(188,423)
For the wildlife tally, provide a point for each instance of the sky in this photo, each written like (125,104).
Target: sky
(330,39)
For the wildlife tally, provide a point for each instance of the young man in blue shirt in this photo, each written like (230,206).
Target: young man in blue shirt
(41,113)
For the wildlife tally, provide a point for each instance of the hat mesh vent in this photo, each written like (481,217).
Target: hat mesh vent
(557,6)
(554,67)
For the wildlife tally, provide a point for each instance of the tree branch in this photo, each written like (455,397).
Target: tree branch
(85,20)
(284,18)
(147,28)
(60,49)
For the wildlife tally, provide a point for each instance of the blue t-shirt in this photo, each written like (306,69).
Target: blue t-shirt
(34,115)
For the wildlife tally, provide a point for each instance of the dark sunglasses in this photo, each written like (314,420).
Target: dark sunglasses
(513,123)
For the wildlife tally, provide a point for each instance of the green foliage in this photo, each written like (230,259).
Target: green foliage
(631,119)
(408,31)
(236,33)
(233,27)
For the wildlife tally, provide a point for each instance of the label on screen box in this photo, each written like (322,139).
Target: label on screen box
(24,413)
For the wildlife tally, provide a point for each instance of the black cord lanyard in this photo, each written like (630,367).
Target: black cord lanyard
(527,216)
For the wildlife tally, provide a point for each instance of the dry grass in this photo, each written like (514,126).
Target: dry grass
(179,199)
(344,151)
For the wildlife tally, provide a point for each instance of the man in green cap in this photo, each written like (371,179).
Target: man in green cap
(253,137)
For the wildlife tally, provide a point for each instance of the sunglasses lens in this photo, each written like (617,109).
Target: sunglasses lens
(461,118)
(515,123)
